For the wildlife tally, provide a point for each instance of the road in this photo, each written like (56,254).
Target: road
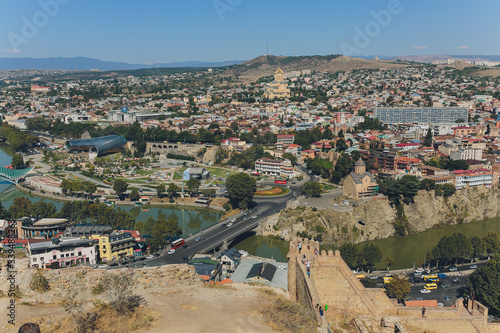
(446,293)
(214,236)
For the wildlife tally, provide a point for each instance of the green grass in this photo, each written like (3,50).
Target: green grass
(327,187)
(178,174)
(216,172)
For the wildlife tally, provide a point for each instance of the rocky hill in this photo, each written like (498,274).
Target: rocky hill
(267,64)
(374,219)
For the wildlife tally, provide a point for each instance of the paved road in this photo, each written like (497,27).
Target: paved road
(216,234)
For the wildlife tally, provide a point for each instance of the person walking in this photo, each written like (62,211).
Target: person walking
(423,312)
(300,247)
(321,312)
(308,265)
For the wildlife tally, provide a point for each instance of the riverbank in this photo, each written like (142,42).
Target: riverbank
(187,203)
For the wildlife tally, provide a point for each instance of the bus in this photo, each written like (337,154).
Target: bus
(178,243)
(280,181)
(387,279)
(430,278)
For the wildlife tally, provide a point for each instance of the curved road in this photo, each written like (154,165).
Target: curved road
(215,235)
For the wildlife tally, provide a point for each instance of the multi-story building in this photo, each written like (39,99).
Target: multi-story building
(115,245)
(467,154)
(463,130)
(468,178)
(267,166)
(278,88)
(285,139)
(40,228)
(410,115)
(62,252)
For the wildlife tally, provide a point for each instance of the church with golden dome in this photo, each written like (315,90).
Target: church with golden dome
(278,88)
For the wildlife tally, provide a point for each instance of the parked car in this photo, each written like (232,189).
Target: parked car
(230,224)
(93,266)
(446,298)
(473,267)
(452,269)
(456,279)
(233,220)
(114,264)
(445,285)
(374,277)
(150,256)
(197,239)
(103,266)
(442,276)
(419,299)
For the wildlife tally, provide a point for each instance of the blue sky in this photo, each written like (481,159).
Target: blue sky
(152,31)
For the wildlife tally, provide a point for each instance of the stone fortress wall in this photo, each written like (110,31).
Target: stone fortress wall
(332,283)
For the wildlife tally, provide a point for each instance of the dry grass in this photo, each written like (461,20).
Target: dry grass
(108,321)
(285,315)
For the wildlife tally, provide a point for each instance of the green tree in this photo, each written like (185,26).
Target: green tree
(368,283)
(20,207)
(193,185)
(389,262)
(134,195)
(484,282)
(352,255)
(452,247)
(172,190)
(372,255)
(120,186)
(160,189)
(241,189)
(313,189)
(492,242)
(292,158)
(341,145)
(161,231)
(427,184)
(478,245)
(17,161)
(43,209)
(428,138)
(399,288)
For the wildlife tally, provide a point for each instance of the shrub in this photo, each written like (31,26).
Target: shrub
(39,283)
(97,289)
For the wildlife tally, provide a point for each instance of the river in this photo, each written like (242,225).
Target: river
(405,251)
(191,220)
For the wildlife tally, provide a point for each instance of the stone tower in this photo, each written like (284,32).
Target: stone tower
(360,167)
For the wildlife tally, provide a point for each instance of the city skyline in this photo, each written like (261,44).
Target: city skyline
(223,30)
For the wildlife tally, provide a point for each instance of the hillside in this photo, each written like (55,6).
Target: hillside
(266,65)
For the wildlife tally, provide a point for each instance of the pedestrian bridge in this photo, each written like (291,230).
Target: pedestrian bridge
(14,175)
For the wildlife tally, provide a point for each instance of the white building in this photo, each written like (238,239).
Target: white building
(62,252)
(467,154)
(267,166)
(468,178)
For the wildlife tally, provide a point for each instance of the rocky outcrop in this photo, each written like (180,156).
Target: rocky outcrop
(374,219)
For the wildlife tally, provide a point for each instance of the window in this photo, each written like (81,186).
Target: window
(41,259)
(34,259)
(79,254)
(54,257)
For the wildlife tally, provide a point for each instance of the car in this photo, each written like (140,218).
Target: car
(185,246)
(150,256)
(93,266)
(446,298)
(233,220)
(113,264)
(144,264)
(197,239)
(171,251)
(419,299)
(419,270)
(374,277)
(452,269)
(473,267)
(456,279)
(124,263)
(417,274)
(230,224)
(440,305)
(103,266)
(455,283)
(425,291)
(445,285)
(254,217)
(442,276)
(141,259)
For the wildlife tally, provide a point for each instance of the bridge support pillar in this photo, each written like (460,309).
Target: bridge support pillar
(224,246)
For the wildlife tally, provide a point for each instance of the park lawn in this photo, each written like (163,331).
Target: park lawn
(178,174)
(216,172)
(327,187)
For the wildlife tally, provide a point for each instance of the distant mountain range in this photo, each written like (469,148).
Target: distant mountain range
(429,58)
(85,64)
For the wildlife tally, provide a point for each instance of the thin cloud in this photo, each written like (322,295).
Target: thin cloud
(463,47)
(419,47)
(12,51)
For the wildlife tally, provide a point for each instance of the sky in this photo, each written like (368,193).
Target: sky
(152,31)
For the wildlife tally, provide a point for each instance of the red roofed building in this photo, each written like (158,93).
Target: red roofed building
(477,177)
(405,163)
(407,146)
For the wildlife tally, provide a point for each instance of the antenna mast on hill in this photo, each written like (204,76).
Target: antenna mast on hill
(267,48)
(295,52)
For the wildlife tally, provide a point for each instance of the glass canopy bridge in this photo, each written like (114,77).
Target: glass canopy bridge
(14,175)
